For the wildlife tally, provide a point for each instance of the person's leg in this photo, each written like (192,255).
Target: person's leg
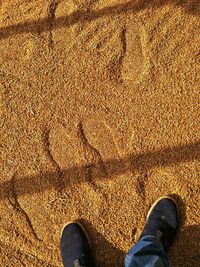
(158,234)
(148,252)
(75,247)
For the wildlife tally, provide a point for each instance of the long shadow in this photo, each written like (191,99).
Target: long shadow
(44,25)
(111,168)
(104,253)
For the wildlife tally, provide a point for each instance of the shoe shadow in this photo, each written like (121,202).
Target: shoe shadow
(105,253)
(185,251)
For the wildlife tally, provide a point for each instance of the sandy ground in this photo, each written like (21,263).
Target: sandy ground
(100,107)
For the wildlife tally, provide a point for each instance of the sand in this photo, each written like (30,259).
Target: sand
(100,107)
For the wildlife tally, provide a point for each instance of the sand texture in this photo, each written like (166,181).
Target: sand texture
(99,116)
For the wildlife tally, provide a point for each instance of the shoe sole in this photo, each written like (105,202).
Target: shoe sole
(156,202)
(82,228)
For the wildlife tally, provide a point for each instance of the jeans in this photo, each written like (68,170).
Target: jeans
(148,252)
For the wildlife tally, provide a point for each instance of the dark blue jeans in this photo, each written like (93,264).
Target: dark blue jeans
(147,252)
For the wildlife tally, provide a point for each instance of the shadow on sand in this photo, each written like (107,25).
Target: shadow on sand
(42,25)
(101,170)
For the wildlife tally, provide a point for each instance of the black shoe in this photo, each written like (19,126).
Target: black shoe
(75,247)
(162,221)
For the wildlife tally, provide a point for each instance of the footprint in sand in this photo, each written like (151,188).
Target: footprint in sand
(113,144)
(64,147)
(88,145)
(95,143)
(67,151)
(110,138)
(136,62)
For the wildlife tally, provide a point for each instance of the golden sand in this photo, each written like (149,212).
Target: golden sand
(99,116)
